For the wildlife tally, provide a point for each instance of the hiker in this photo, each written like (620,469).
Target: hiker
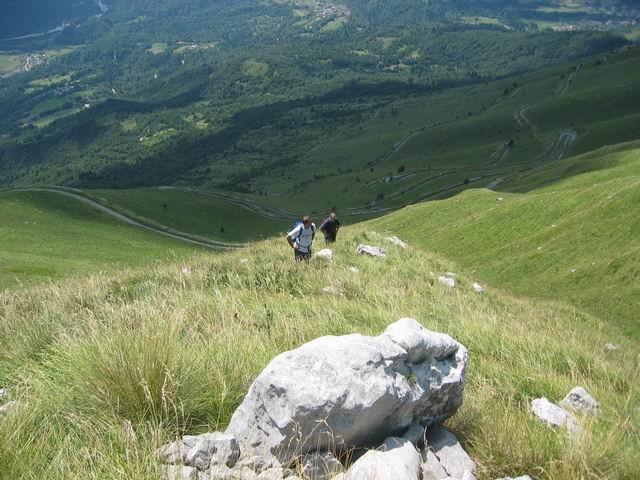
(301,238)
(330,227)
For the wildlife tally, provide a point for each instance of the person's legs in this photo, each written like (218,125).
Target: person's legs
(302,256)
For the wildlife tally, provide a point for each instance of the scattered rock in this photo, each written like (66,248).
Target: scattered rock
(499,199)
(579,399)
(320,466)
(325,254)
(449,452)
(201,451)
(179,472)
(354,270)
(574,270)
(350,391)
(539,248)
(244,260)
(4,393)
(8,407)
(376,252)
(331,291)
(222,472)
(610,347)
(186,271)
(553,415)
(276,473)
(448,281)
(396,241)
(478,288)
(397,458)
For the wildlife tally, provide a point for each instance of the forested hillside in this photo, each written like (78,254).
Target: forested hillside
(151,91)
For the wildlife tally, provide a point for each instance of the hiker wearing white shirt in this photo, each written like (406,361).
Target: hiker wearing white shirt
(301,237)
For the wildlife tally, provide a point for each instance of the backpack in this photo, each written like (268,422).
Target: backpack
(296,224)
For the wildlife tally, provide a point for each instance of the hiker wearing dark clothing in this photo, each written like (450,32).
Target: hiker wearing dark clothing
(301,237)
(330,227)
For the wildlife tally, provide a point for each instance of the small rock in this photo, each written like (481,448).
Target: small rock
(258,463)
(178,472)
(244,260)
(610,347)
(449,452)
(331,291)
(397,458)
(499,199)
(8,407)
(415,434)
(325,254)
(354,270)
(539,248)
(376,252)
(421,344)
(450,274)
(478,288)
(553,415)
(4,393)
(320,466)
(276,473)
(431,467)
(201,451)
(396,241)
(448,281)
(222,472)
(579,399)
(186,270)
(574,270)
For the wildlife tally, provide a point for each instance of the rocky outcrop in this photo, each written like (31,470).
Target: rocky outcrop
(350,391)
(376,252)
(448,281)
(335,396)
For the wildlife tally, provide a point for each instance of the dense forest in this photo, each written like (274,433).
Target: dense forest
(150,91)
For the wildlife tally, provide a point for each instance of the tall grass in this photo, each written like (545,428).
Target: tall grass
(109,367)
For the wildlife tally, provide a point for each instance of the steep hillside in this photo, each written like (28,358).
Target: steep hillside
(106,369)
(567,231)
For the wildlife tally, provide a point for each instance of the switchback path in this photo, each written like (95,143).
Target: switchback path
(160,229)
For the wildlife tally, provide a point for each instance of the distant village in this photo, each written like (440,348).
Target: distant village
(329,9)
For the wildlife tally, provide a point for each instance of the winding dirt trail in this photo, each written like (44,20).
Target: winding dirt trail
(166,231)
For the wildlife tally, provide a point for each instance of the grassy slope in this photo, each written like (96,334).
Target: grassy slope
(592,201)
(195,214)
(44,236)
(109,368)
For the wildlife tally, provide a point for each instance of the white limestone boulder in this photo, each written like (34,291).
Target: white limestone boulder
(478,288)
(376,252)
(350,391)
(578,399)
(553,415)
(396,459)
(432,469)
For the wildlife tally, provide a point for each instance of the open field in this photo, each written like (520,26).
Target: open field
(47,237)
(108,368)
(566,231)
